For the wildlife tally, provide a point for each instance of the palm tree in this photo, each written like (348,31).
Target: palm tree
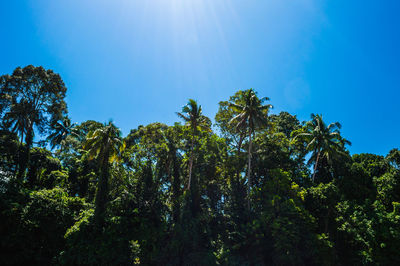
(193,117)
(106,145)
(251,114)
(20,119)
(17,119)
(62,130)
(322,140)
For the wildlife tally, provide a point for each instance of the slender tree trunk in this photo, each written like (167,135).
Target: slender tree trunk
(19,157)
(176,191)
(24,159)
(238,156)
(315,166)
(249,170)
(191,162)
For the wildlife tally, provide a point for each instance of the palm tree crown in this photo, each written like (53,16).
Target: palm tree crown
(322,140)
(252,113)
(104,143)
(193,116)
(63,129)
(20,119)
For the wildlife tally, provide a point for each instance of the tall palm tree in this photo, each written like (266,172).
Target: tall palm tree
(106,145)
(20,119)
(322,140)
(252,114)
(63,129)
(194,118)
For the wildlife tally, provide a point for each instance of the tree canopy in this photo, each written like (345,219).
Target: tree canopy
(254,189)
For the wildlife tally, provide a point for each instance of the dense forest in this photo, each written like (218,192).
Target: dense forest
(254,188)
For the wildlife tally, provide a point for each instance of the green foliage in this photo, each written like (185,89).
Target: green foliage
(33,101)
(36,222)
(85,246)
(9,146)
(388,188)
(285,123)
(41,164)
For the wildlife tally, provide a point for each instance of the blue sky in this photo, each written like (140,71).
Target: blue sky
(138,61)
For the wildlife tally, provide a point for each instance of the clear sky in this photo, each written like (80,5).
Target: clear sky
(138,61)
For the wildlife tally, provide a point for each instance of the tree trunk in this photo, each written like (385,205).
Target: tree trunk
(238,156)
(315,166)
(249,170)
(191,162)
(24,159)
(176,191)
